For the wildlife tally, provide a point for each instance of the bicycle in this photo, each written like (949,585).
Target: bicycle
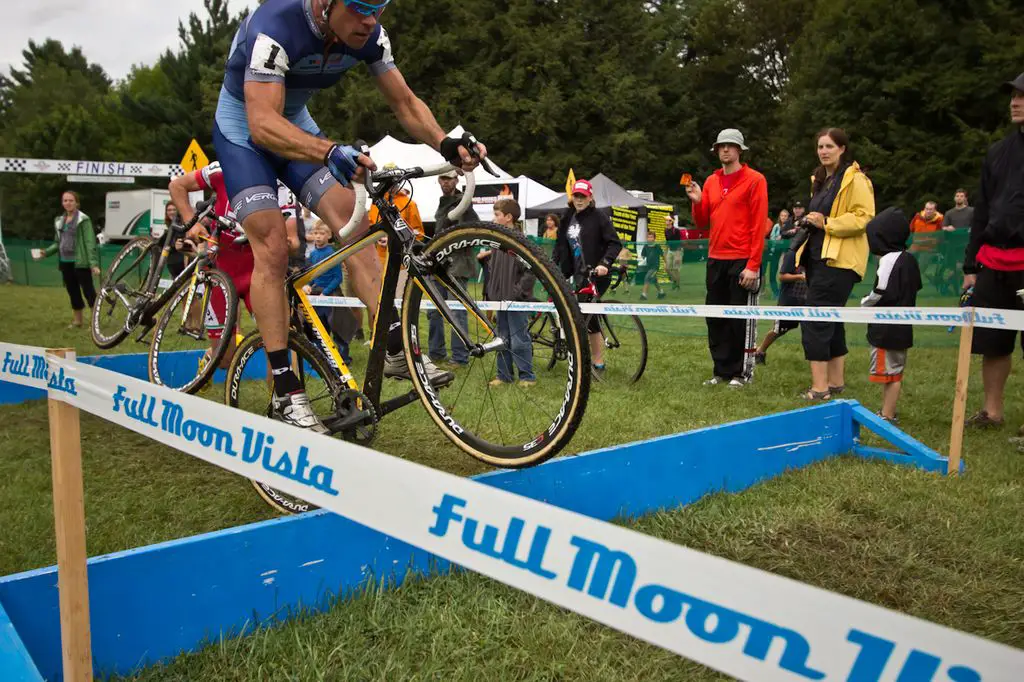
(353,413)
(129,299)
(623,335)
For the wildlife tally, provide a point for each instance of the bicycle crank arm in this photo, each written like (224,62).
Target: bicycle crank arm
(338,424)
(389,406)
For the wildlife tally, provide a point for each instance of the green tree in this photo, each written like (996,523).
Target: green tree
(915,84)
(178,98)
(56,106)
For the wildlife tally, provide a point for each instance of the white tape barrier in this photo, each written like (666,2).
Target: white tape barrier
(938,317)
(739,620)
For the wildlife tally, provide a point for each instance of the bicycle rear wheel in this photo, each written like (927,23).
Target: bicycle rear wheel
(122,290)
(177,354)
(249,388)
(625,346)
(547,340)
(484,411)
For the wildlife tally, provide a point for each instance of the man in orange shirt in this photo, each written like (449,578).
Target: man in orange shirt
(410,213)
(927,220)
(734,203)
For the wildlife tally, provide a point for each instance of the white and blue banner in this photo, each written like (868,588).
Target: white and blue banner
(937,317)
(741,621)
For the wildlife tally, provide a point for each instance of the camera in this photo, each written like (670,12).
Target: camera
(800,234)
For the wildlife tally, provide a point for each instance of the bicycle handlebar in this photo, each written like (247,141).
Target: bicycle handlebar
(390,178)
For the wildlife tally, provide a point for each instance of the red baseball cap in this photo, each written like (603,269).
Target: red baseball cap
(583,187)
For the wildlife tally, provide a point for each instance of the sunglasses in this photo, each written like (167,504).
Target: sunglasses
(367,9)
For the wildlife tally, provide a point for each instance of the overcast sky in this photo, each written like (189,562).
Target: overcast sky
(112,33)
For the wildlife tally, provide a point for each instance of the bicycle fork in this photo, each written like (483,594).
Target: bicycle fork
(429,286)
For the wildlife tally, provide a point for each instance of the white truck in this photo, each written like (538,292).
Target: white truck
(135,212)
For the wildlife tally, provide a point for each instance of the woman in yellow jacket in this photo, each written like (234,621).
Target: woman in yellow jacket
(834,256)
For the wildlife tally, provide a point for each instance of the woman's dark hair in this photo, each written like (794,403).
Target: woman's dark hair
(167,209)
(839,136)
(552,216)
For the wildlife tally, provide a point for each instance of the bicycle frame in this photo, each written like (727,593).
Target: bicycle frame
(402,248)
(144,311)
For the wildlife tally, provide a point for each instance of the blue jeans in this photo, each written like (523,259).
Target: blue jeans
(435,340)
(324,313)
(514,327)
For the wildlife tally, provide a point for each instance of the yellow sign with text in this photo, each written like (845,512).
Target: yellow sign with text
(194,158)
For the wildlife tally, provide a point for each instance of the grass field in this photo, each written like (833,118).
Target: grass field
(948,550)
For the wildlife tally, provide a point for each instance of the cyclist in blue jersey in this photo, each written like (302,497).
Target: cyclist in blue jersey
(284,51)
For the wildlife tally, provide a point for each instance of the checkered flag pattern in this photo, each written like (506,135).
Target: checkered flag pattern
(10,165)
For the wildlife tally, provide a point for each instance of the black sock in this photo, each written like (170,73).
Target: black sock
(285,381)
(395,344)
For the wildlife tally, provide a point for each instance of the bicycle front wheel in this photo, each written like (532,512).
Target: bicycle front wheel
(625,345)
(121,292)
(194,332)
(497,409)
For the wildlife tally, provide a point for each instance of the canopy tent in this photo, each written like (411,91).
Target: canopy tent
(607,193)
(526,191)
(426,192)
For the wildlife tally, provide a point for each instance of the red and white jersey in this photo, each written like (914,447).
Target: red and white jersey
(212,178)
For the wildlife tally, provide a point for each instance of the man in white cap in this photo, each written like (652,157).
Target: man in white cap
(734,203)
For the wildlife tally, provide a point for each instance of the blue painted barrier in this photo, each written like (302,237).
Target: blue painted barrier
(177,368)
(151,603)
(15,662)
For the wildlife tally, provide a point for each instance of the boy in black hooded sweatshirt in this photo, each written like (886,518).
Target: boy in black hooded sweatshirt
(896,284)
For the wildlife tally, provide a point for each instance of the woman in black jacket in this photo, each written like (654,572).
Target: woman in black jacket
(587,240)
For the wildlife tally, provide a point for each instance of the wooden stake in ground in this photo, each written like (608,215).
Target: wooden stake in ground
(69,518)
(963,372)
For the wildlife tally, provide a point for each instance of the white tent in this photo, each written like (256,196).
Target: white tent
(427,191)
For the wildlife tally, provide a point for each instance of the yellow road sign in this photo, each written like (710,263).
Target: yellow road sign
(194,158)
(570,181)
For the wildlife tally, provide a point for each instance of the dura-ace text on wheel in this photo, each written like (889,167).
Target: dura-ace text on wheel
(249,389)
(186,325)
(498,409)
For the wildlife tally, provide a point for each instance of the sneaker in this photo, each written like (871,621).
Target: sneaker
(395,367)
(736,382)
(295,409)
(498,382)
(982,421)
(661,294)
(643,296)
(527,383)
(359,335)
(760,358)
(894,420)
(714,381)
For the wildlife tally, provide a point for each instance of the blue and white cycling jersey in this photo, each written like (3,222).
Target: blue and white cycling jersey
(279,42)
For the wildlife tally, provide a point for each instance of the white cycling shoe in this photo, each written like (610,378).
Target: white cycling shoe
(295,409)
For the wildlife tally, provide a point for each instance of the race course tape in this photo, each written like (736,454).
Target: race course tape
(739,620)
(991,318)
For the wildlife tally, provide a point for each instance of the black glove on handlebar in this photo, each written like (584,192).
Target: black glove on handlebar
(450,150)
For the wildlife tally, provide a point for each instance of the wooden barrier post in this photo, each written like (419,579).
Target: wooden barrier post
(963,373)
(69,523)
